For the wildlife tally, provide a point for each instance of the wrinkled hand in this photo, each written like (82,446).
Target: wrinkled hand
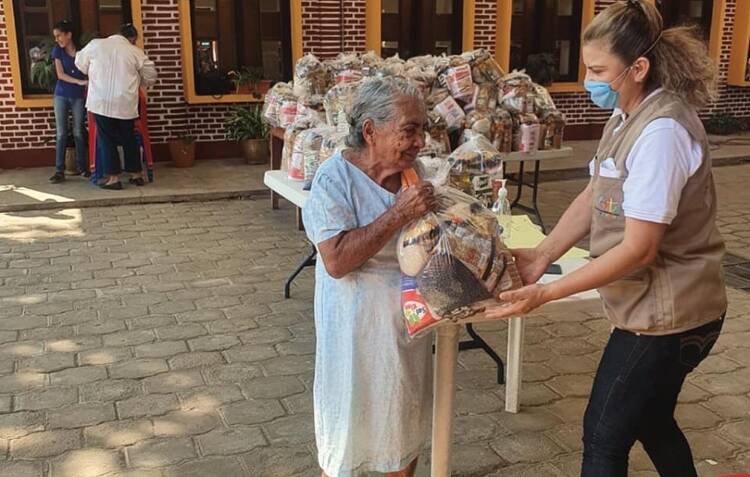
(415,201)
(531,264)
(519,302)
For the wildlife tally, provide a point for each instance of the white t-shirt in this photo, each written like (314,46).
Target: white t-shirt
(659,165)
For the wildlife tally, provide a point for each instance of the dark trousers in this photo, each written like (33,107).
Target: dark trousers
(112,132)
(634,397)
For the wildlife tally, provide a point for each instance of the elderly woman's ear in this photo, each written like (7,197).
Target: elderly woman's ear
(368,131)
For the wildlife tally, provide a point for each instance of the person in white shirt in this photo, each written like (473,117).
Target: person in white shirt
(116,69)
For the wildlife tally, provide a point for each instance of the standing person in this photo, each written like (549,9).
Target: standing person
(373,386)
(69,93)
(117,69)
(650,211)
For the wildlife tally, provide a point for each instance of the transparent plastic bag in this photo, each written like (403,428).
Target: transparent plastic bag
(272,103)
(339,98)
(313,141)
(310,76)
(452,261)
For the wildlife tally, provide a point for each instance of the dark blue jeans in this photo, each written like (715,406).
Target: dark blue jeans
(63,107)
(113,132)
(634,397)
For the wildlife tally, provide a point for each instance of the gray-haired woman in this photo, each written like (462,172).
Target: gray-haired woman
(373,387)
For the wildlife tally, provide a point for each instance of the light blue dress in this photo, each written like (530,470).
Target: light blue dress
(373,386)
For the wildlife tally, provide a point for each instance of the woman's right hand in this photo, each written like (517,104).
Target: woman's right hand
(415,201)
(83,82)
(531,264)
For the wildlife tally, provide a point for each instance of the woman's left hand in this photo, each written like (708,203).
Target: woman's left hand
(519,302)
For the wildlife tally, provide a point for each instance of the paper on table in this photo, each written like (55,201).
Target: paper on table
(524,234)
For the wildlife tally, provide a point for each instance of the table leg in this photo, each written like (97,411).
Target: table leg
(514,361)
(534,193)
(298,215)
(274,200)
(307,262)
(446,353)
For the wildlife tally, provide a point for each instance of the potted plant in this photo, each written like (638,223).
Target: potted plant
(43,74)
(542,68)
(246,126)
(182,150)
(249,80)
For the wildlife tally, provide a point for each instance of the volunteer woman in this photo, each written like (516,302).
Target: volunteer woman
(70,90)
(372,396)
(650,211)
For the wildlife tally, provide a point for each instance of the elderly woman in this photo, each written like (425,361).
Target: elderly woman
(373,387)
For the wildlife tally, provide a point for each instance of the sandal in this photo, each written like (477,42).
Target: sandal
(137,181)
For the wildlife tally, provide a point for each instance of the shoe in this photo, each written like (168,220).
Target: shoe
(86,174)
(57,178)
(137,181)
(76,173)
(113,186)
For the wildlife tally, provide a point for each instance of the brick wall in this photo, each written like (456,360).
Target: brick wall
(328,27)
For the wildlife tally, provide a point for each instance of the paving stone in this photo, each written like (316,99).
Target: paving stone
(160,452)
(173,381)
(298,348)
(695,416)
(160,349)
(475,460)
(8,336)
(196,360)
(289,365)
(86,463)
(476,402)
(730,407)
(76,376)
(101,327)
(185,423)
(208,398)
(530,470)
(246,311)
(48,399)
(535,419)
(568,436)
(235,440)
(138,368)
(299,404)
(20,469)
(737,432)
(291,430)
(123,312)
(117,434)
(49,308)
(274,387)
(265,336)
(19,424)
(23,323)
(198,316)
(707,446)
(278,460)
(148,405)
(252,411)
(104,356)
(47,363)
(75,344)
(525,447)
(5,403)
(572,385)
(109,390)
(181,332)
(231,327)
(75,317)
(472,429)
(217,302)
(223,466)
(129,338)
(80,415)
(232,373)
(45,444)
(54,332)
(171,307)
(250,353)
(570,410)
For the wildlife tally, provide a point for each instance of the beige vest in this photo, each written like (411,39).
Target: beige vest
(684,287)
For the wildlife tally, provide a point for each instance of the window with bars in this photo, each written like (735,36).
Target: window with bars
(34,20)
(237,35)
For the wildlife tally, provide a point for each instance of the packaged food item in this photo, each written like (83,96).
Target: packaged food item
(437,133)
(485,69)
(272,103)
(453,262)
(528,136)
(310,76)
(422,79)
(512,96)
(287,112)
(459,82)
(451,112)
(346,68)
(332,143)
(392,66)
(339,99)
(473,164)
(552,126)
(502,131)
(483,99)
(296,170)
(370,63)
(290,136)
(480,122)
(311,145)
(311,108)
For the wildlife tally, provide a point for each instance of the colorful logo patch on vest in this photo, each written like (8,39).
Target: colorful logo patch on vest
(608,205)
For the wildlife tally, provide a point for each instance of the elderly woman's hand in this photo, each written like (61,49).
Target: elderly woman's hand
(415,201)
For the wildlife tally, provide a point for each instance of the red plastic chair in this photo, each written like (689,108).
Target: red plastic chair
(141,126)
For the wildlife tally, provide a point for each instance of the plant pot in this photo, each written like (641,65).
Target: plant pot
(243,89)
(255,151)
(70,160)
(262,87)
(183,153)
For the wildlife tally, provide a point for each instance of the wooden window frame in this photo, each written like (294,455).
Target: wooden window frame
(717,28)
(373,26)
(740,45)
(44,100)
(188,73)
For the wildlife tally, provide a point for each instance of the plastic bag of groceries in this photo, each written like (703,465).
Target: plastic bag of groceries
(473,166)
(272,104)
(290,137)
(338,99)
(310,76)
(453,261)
(346,68)
(312,143)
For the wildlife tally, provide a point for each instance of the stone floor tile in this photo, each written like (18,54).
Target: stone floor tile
(138,368)
(21,469)
(49,398)
(185,423)
(252,411)
(525,447)
(279,460)
(220,466)
(160,452)
(76,376)
(160,349)
(45,444)
(235,440)
(211,397)
(173,381)
(109,390)
(117,434)
(80,415)
(19,424)
(196,359)
(89,462)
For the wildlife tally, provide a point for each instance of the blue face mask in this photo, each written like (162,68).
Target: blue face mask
(602,93)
